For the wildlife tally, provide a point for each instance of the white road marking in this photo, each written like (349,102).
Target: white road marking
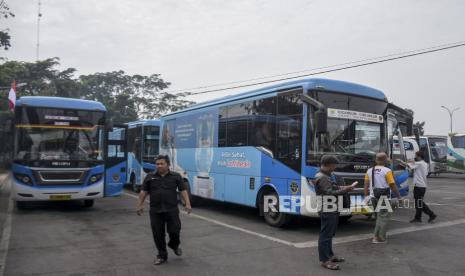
(231,226)
(5,242)
(393,232)
(445,192)
(444,204)
(340,240)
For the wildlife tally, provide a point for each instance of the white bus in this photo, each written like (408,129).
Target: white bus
(434,147)
(456,153)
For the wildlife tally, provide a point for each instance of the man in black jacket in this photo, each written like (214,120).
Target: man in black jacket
(162,186)
(328,190)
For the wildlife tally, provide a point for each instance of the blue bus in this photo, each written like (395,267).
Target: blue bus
(65,149)
(143,142)
(268,143)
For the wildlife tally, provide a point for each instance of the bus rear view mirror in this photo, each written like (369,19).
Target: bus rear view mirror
(109,125)
(321,120)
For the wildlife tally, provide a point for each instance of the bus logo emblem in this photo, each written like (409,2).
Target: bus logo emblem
(294,187)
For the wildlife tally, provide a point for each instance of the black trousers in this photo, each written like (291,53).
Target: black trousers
(420,205)
(161,222)
(329,223)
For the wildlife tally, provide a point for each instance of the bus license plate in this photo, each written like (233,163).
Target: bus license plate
(60,197)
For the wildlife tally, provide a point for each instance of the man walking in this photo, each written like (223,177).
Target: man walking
(328,190)
(381,179)
(420,174)
(162,186)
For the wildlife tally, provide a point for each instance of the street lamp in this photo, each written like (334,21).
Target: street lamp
(451,112)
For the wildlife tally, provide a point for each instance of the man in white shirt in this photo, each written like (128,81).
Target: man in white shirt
(420,174)
(379,180)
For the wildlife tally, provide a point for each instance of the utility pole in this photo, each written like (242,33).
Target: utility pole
(451,113)
(39,15)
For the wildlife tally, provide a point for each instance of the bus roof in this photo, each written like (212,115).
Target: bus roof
(151,122)
(309,83)
(59,102)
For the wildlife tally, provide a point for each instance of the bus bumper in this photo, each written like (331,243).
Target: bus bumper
(21,192)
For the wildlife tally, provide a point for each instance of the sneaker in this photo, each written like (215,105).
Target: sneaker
(431,218)
(159,261)
(415,220)
(178,251)
(330,265)
(376,241)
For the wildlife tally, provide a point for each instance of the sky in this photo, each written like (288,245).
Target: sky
(199,43)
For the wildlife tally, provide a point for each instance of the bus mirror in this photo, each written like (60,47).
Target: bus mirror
(321,120)
(109,125)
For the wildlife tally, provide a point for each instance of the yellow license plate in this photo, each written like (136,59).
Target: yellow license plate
(60,197)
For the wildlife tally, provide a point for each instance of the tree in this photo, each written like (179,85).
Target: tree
(40,78)
(129,98)
(4,35)
(126,97)
(420,126)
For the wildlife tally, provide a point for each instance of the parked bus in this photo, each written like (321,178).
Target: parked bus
(434,148)
(143,142)
(64,150)
(456,153)
(269,142)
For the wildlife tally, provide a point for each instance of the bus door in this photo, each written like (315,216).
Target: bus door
(396,149)
(115,160)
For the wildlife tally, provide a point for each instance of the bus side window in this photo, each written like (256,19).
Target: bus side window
(222,118)
(289,132)
(262,124)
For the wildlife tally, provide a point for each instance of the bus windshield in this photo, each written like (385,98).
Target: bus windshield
(355,128)
(53,134)
(438,149)
(354,141)
(151,141)
(458,141)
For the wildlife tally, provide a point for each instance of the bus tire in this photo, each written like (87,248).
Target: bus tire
(275,219)
(88,203)
(21,205)
(135,188)
(344,219)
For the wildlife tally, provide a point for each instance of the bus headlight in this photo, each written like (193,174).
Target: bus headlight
(23,178)
(94,178)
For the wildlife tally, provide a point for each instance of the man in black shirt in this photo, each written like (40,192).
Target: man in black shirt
(326,187)
(162,186)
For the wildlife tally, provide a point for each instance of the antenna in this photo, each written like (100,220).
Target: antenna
(39,15)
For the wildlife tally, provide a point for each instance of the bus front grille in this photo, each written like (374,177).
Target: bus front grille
(59,177)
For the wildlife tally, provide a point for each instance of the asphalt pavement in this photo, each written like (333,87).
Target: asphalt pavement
(63,238)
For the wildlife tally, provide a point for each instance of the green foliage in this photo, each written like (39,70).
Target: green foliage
(127,97)
(420,126)
(4,35)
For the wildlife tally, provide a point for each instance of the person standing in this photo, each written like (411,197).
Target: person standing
(162,186)
(326,187)
(381,179)
(420,176)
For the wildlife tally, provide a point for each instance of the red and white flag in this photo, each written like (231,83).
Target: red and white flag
(12,96)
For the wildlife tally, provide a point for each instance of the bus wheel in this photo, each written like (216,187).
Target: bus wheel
(274,218)
(88,203)
(21,205)
(135,188)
